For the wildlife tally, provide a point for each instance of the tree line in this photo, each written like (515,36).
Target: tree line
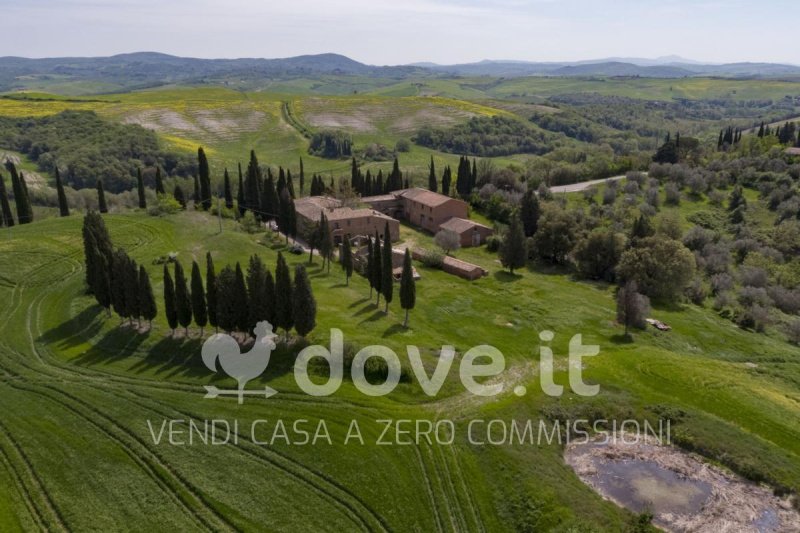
(21,198)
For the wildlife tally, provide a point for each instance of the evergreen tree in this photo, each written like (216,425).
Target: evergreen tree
(432,185)
(140,189)
(179,195)
(257,291)
(170,304)
(387,281)
(159,181)
(252,183)
(227,190)
(147,301)
(377,260)
(21,197)
(290,183)
(304,307)
(283,296)
(513,250)
(737,199)
(240,201)
(761,130)
(8,216)
(354,175)
(395,180)
(642,228)
(269,297)
(226,304)
(211,292)
(302,178)
(446,180)
(204,178)
(285,215)
(199,309)
(368,271)
(240,296)
(101,197)
(408,289)
(183,303)
(119,270)
(63,207)
(270,205)
(325,243)
(132,297)
(102,285)
(346,260)
(473,177)
(95,238)
(529,212)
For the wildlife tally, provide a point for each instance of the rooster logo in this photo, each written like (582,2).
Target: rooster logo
(240,366)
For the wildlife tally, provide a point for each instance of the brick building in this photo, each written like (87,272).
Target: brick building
(342,221)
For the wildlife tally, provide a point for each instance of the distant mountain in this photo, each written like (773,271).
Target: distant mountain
(148,69)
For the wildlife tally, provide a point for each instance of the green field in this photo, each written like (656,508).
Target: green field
(78,391)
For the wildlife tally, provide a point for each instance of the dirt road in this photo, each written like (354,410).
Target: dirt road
(578,187)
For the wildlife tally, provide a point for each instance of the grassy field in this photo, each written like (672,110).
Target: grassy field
(78,390)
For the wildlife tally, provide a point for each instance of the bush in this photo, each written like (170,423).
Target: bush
(432,258)
(721,283)
(754,317)
(672,194)
(697,292)
(167,205)
(402,145)
(249,224)
(754,277)
(749,296)
(786,300)
(493,243)
(331,144)
(792,331)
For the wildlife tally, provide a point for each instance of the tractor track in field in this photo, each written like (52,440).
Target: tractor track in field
(429,489)
(25,495)
(355,508)
(47,513)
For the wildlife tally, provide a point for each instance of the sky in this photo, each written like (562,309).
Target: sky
(390,32)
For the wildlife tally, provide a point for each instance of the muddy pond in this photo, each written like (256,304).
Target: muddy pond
(681,491)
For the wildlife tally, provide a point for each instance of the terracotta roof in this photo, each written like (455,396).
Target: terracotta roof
(460,265)
(344,213)
(379,198)
(424,196)
(460,225)
(311,206)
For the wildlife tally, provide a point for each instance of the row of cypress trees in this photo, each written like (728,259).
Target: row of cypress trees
(235,301)
(115,280)
(21,198)
(380,276)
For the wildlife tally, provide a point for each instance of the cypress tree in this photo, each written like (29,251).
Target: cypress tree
(140,189)
(199,309)
(529,212)
(252,183)
(227,190)
(408,289)
(387,282)
(132,293)
(159,181)
(271,203)
(241,298)
(346,260)
(183,303)
(354,174)
(473,178)
(302,177)
(513,252)
(63,207)
(432,185)
(170,304)
(147,301)
(204,178)
(180,197)
(376,267)
(102,285)
(226,306)
(240,201)
(290,183)
(446,180)
(304,307)
(119,270)
(283,296)
(21,198)
(368,272)
(211,292)
(256,288)
(95,237)
(269,297)
(8,216)
(325,242)
(101,197)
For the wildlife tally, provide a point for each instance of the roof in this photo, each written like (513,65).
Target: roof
(460,265)
(344,213)
(461,225)
(379,198)
(311,207)
(424,196)
(793,151)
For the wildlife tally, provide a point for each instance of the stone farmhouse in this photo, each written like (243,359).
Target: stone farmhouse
(343,221)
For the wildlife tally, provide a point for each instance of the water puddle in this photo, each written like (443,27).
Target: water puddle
(683,493)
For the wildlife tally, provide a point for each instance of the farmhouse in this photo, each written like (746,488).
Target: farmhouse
(342,221)
(470,233)
(430,211)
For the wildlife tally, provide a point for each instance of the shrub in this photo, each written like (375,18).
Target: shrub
(167,205)
(750,296)
(672,194)
(721,283)
(754,277)
(786,300)
(432,258)
(792,331)
(754,317)
(249,224)
(493,243)
(696,292)
(403,145)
